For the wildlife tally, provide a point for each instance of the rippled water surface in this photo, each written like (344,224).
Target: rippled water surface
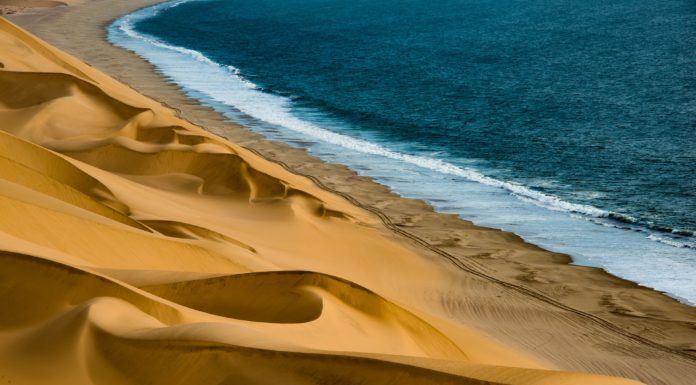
(571,123)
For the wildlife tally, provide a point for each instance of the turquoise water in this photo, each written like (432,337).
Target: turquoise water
(572,124)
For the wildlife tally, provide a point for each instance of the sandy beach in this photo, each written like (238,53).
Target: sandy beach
(147,239)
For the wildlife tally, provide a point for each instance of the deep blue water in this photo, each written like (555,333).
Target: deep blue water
(540,116)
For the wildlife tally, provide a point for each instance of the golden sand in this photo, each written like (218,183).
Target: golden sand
(138,248)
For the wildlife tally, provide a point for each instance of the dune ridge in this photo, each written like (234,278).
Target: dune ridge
(140,248)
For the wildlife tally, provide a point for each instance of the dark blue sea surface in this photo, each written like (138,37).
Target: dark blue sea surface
(585,109)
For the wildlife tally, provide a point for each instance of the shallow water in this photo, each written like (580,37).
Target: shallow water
(570,124)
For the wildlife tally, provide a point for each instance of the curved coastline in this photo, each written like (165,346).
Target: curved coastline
(558,225)
(526,268)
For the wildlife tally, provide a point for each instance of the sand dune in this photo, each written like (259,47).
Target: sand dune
(138,248)
(81,327)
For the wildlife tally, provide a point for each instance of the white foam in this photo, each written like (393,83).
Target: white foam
(667,241)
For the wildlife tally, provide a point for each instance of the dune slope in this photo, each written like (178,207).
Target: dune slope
(136,247)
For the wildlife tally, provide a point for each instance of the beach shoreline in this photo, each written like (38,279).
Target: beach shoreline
(621,306)
(296,160)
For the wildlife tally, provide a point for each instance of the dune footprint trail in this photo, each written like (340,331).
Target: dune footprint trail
(139,249)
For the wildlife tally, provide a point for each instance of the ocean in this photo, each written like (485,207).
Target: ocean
(572,124)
